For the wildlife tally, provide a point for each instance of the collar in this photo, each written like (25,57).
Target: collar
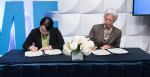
(106,28)
(45,35)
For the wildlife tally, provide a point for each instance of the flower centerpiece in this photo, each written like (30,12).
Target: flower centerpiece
(78,44)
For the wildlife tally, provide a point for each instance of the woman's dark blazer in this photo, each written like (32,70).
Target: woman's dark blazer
(34,38)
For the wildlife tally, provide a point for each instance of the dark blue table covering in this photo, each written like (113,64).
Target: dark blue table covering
(15,64)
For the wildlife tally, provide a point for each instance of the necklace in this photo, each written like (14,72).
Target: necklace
(106,34)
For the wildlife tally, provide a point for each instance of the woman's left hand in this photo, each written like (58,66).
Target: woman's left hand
(105,47)
(45,48)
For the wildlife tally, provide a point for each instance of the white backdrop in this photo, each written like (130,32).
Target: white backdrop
(76,17)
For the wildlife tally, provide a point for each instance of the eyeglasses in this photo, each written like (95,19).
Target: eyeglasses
(43,31)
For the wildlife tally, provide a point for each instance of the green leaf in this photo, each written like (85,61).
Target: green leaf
(78,48)
(68,44)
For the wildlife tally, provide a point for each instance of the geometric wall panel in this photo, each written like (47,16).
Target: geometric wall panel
(88,20)
(148,48)
(119,5)
(123,42)
(69,6)
(68,39)
(129,5)
(46,0)
(69,24)
(136,24)
(121,21)
(92,6)
(137,41)
(144,32)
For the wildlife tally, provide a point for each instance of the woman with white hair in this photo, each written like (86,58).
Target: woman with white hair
(105,35)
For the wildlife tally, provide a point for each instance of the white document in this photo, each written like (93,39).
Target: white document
(32,54)
(53,52)
(100,52)
(118,50)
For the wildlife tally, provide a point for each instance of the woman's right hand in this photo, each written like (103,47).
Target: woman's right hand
(94,48)
(33,48)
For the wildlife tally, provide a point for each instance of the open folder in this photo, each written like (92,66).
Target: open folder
(100,52)
(40,53)
(111,51)
(118,51)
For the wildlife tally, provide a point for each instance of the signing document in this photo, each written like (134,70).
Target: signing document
(100,52)
(39,53)
(53,52)
(33,54)
(118,51)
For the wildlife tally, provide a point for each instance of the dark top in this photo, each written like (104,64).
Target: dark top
(56,39)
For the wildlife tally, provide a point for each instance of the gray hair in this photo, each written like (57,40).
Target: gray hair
(111,12)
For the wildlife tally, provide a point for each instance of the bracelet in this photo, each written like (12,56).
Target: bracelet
(30,47)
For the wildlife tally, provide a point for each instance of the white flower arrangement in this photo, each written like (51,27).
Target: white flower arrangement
(79,43)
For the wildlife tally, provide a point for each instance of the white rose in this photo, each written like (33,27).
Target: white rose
(83,39)
(91,44)
(86,47)
(84,43)
(77,39)
(86,51)
(73,45)
(66,50)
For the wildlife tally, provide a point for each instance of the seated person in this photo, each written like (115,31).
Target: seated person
(45,37)
(105,35)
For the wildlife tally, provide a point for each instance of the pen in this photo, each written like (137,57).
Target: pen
(43,53)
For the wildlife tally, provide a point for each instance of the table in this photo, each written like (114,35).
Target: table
(15,64)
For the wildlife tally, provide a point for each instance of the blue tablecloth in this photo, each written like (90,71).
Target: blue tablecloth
(136,64)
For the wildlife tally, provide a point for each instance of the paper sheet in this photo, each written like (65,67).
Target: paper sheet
(53,52)
(100,52)
(118,50)
(32,54)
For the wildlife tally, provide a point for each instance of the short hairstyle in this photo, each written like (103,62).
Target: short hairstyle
(47,22)
(111,12)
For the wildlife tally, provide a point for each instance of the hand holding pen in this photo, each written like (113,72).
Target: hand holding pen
(33,48)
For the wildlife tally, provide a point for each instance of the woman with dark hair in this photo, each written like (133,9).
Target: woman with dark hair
(45,37)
